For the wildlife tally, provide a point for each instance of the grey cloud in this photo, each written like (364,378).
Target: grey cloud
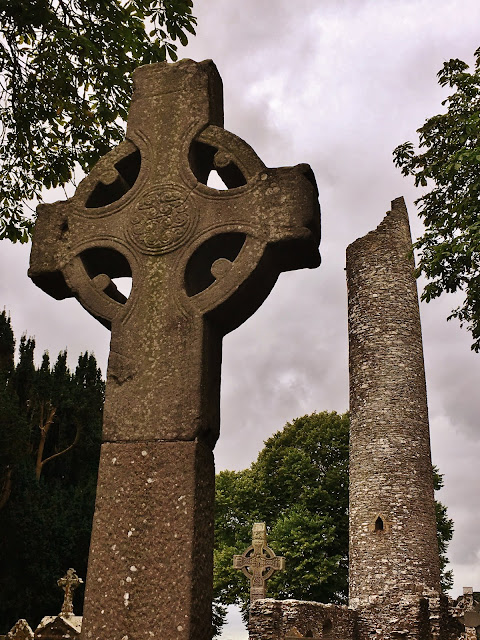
(338,85)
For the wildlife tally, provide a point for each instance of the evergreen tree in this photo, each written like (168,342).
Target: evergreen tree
(7,344)
(13,426)
(50,431)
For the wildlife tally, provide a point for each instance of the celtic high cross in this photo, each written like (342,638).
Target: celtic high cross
(202,261)
(258,562)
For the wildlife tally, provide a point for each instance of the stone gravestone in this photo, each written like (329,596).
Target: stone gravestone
(20,631)
(258,563)
(66,625)
(201,261)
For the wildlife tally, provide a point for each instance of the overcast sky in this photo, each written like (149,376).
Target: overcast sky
(337,84)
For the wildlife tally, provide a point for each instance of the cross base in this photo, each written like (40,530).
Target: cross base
(142,540)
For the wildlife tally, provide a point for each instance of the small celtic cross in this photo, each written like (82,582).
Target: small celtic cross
(69,583)
(258,562)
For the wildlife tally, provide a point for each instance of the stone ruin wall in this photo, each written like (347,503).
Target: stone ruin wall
(393,544)
(408,617)
(279,619)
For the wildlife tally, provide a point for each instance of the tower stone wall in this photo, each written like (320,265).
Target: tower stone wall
(393,544)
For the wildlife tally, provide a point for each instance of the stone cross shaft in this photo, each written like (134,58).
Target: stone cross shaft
(258,562)
(69,583)
(201,261)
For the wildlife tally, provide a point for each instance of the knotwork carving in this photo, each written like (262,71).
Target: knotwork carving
(163,221)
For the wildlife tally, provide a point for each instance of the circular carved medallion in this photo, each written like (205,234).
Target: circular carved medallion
(162,220)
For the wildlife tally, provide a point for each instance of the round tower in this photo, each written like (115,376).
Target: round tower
(393,542)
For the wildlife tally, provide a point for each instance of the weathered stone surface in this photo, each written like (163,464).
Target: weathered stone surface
(467,612)
(410,617)
(284,619)
(393,544)
(202,261)
(259,562)
(150,567)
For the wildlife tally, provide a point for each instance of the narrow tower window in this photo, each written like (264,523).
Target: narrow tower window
(379,524)
(327,627)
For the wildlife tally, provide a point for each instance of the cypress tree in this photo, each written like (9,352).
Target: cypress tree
(50,432)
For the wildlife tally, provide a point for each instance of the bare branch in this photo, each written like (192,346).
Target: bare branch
(44,428)
(6,488)
(60,453)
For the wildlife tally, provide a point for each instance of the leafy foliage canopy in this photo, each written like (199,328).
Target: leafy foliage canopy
(449,159)
(65,85)
(298,486)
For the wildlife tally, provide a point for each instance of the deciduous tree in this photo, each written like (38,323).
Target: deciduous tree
(448,164)
(298,486)
(65,86)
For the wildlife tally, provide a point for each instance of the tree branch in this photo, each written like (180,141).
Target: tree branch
(44,428)
(60,453)
(6,488)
